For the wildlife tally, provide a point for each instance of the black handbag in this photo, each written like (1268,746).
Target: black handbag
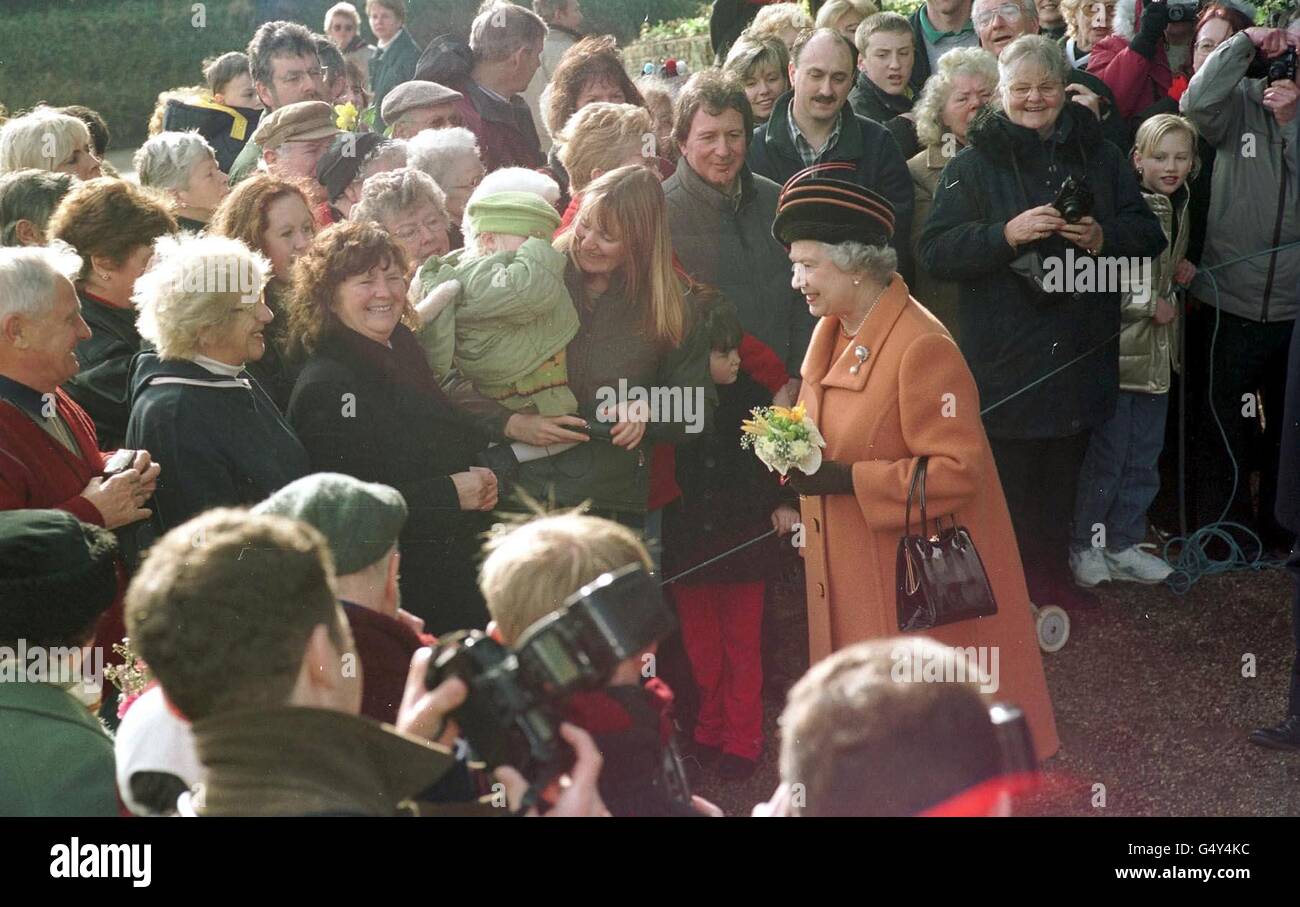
(940,577)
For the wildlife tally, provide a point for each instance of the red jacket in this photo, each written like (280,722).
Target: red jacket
(1136,81)
(506,134)
(385,646)
(37,471)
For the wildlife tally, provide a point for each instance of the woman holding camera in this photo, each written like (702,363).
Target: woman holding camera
(366,404)
(1042,345)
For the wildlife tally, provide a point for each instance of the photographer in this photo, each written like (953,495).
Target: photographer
(1140,71)
(237,616)
(995,228)
(1243,101)
(528,573)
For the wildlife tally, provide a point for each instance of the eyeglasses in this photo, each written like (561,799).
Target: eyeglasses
(1009,11)
(411,233)
(1207,46)
(295,78)
(1046,90)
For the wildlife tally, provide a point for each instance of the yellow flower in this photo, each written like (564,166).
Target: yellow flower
(345,116)
(799,412)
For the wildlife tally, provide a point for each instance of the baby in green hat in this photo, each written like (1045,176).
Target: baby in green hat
(498,309)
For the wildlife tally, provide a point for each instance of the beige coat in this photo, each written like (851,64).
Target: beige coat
(1148,352)
(939,296)
(914,395)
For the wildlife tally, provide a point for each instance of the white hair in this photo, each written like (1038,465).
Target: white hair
(507,179)
(42,139)
(960,61)
(386,195)
(877,262)
(389,154)
(344,9)
(1032,50)
(167,160)
(192,289)
(436,151)
(29,276)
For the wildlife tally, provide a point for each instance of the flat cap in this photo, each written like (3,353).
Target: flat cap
(360,520)
(300,122)
(821,203)
(415,93)
(341,164)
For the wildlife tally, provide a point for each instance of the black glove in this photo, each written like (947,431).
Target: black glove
(1155,16)
(830,478)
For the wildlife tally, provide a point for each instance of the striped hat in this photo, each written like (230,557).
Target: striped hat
(821,203)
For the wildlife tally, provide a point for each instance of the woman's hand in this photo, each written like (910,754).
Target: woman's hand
(1086,234)
(1280,97)
(148,469)
(476,489)
(120,498)
(1085,97)
(788,393)
(629,422)
(1033,225)
(784,519)
(543,431)
(1184,273)
(1268,41)
(423,712)
(1165,312)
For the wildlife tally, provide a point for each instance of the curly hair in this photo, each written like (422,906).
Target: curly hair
(109,217)
(592,60)
(243,213)
(961,61)
(340,251)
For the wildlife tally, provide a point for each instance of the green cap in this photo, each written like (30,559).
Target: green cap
(513,213)
(361,520)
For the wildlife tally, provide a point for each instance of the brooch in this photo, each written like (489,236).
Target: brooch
(861,352)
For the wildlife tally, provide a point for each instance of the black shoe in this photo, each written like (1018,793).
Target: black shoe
(1286,736)
(736,768)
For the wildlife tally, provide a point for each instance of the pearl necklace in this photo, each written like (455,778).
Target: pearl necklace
(870,309)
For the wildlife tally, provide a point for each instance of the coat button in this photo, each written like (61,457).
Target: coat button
(709,463)
(821,591)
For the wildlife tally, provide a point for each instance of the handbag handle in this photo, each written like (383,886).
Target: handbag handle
(918,481)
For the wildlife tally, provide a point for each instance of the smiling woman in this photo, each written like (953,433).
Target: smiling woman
(201,307)
(368,405)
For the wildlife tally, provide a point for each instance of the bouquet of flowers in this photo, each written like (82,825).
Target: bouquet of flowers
(132,677)
(783,437)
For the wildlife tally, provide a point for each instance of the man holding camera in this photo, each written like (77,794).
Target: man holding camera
(237,616)
(1243,101)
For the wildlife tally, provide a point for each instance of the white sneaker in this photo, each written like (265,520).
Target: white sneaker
(1089,567)
(1133,565)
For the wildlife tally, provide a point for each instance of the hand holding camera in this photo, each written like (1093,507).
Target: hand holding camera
(1032,225)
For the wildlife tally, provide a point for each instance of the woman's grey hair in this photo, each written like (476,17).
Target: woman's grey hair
(389,154)
(167,160)
(30,195)
(30,274)
(1031,50)
(194,287)
(386,195)
(878,263)
(436,151)
(42,139)
(963,61)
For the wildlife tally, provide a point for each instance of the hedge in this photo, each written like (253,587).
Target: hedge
(115,56)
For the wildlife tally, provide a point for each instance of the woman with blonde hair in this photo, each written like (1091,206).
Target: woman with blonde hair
(845,15)
(1087,22)
(783,21)
(762,63)
(46,139)
(965,81)
(202,309)
(603,137)
(270,216)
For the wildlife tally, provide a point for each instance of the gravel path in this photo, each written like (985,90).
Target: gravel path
(1151,702)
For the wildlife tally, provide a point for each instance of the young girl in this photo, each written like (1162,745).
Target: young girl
(1119,479)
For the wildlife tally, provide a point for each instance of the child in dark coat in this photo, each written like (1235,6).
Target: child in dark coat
(728,498)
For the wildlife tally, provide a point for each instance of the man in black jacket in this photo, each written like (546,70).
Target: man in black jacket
(813,124)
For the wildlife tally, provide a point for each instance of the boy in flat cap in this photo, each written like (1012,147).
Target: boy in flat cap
(512,315)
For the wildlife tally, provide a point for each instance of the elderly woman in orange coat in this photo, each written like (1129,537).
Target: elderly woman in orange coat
(885,384)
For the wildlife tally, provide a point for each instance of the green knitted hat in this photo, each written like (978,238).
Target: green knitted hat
(57,575)
(514,213)
(360,520)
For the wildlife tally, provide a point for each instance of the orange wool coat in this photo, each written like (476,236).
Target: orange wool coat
(913,396)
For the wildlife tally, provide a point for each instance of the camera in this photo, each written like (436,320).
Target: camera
(516,696)
(1274,69)
(1182,12)
(1073,200)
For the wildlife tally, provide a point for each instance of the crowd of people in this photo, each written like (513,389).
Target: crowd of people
(285,411)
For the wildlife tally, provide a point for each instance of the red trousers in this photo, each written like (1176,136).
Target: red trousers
(722,625)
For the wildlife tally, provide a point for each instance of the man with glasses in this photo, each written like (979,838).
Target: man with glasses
(999,22)
(286,70)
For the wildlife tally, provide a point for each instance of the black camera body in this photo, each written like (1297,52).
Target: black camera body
(1274,69)
(1182,12)
(1074,200)
(516,696)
